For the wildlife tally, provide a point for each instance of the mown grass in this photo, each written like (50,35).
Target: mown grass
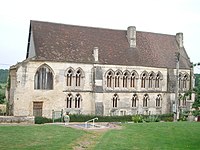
(153,136)
(44,137)
(141,136)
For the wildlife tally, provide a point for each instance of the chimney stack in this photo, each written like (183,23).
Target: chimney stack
(96,54)
(179,39)
(131,36)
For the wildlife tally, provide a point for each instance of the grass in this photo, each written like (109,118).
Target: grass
(45,137)
(153,136)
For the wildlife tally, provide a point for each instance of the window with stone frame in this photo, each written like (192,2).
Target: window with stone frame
(109,79)
(134,100)
(117,79)
(125,80)
(157,80)
(145,100)
(143,80)
(184,101)
(185,81)
(43,78)
(69,77)
(158,100)
(179,100)
(179,81)
(69,101)
(151,80)
(78,101)
(133,80)
(115,100)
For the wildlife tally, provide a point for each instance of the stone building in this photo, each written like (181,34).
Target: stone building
(89,70)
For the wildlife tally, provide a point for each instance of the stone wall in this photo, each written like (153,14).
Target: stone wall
(17,119)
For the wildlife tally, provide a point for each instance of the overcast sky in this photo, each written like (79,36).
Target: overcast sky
(159,16)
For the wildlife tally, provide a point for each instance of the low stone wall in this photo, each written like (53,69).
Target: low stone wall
(18,119)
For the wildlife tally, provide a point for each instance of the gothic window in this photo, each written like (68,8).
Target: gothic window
(185,79)
(158,100)
(134,100)
(69,101)
(114,100)
(151,80)
(145,100)
(78,78)
(125,80)
(143,80)
(78,101)
(157,81)
(132,80)
(179,99)
(179,81)
(109,79)
(184,101)
(69,77)
(117,79)
(43,78)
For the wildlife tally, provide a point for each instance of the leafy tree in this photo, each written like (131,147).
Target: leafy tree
(2,98)
(3,75)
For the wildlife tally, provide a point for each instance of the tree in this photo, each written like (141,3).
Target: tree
(2,98)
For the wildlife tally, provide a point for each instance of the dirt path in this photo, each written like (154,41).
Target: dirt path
(88,141)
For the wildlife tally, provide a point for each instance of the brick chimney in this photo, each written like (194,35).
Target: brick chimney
(96,54)
(179,39)
(131,36)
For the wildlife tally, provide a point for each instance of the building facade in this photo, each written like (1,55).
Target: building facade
(86,70)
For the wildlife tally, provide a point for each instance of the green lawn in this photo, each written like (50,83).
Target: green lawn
(44,137)
(153,136)
(141,136)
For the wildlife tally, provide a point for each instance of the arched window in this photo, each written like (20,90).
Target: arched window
(151,80)
(185,79)
(134,100)
(109,79)
(125,80)
(184,101)
(179,81)
(179,99)
(78,78)
(132,80)
(158,100)
(117,79)
(78,101)
(143,80)
(114,100)
(69,77)
(145,100)
(157,81)
(69,101)
(43,78)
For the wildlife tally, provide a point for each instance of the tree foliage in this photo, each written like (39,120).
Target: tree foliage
(196,103)
(3,75)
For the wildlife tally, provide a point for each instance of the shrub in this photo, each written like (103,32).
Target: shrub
(152,118)
(137,119)
(42,120)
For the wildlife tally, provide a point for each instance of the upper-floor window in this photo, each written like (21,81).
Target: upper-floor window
(143,80)
(151,80)
(109,79)
(134,100)
(117,79)
(125,80)
(132,80)
(158,100)
(78,101)
(43,78)
(185,80)
(78,77)
(114,100)
(69,76)
(157,80)
(69,101)
(145,100)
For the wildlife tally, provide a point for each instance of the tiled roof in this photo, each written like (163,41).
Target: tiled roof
(69,43)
